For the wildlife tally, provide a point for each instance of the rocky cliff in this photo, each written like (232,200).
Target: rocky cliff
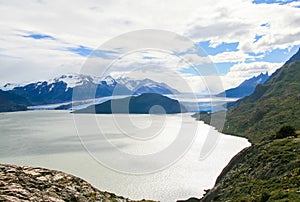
(20,183)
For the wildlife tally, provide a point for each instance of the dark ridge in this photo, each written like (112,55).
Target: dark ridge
(148,103)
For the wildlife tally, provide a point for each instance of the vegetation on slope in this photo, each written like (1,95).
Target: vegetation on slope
(272,105)
(269,170)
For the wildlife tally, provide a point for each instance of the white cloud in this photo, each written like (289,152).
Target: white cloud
(240,21)
(237,56)
(92,22)
(242,71)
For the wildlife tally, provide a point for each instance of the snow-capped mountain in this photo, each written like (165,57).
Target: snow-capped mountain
(60,89)
(8,86)
(145,86)
(247,87)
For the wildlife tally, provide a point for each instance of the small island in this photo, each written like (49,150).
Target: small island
(147,103)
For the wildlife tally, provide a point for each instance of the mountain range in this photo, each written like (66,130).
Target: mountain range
(245,88)
(60,90)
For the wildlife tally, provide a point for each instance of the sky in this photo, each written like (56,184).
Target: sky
(42,39)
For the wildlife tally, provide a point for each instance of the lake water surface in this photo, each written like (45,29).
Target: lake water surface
(50,139)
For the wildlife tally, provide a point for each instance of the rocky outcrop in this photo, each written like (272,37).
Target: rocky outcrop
(20,183)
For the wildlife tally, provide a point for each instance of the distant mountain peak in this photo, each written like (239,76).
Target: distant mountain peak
(8,86)
(246,87)
(110,80)
(294,58)
(60,89)
(264,74)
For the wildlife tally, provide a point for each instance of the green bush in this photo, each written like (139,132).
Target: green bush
(265,197)
(285,131)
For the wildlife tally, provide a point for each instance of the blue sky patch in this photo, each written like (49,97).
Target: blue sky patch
(277,55)
(257,37)
(39,36)
(224,67)
(208,69)
(189,70)
(280,2)
(81,50)
(86,51)
(265,25)
(106,54)
(224,47)
(254,54)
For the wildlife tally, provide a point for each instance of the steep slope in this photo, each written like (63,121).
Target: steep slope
(142,104)
(247,87)
(294,58)
(272,105)
(269,171)
(11,102)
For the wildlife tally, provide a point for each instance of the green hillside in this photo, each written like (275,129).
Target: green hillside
(271,106)
(269,170)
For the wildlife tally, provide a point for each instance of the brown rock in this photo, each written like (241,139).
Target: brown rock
(20,183)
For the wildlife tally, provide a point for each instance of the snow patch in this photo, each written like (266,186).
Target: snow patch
(74,80)
(51,88)
(9,86)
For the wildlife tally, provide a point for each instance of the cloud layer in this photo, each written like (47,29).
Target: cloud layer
(41,39)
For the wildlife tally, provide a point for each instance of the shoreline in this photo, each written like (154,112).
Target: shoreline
(60,162)
(41,184)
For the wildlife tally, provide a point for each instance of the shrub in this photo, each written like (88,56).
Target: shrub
(285,131)
(265,197)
